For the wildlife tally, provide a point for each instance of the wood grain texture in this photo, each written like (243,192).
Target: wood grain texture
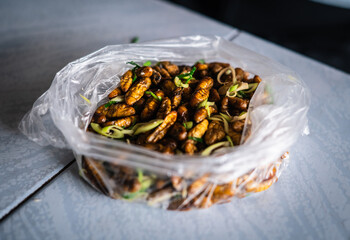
(37,39)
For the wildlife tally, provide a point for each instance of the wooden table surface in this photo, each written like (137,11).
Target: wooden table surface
(37,39)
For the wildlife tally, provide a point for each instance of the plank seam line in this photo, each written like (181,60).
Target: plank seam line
(21,202)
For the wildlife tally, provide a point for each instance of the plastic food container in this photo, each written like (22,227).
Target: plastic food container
(276,117)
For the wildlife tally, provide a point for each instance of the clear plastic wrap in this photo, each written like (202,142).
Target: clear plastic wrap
(276,117)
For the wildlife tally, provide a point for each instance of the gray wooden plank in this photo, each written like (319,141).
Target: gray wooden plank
(37,39)
(310,201)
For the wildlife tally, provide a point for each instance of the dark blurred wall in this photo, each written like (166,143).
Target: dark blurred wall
(319,31)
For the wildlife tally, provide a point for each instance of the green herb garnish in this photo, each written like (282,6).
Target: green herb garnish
(188,125)
(196,139)
(187,76)
(148,63)
(117,99)
(134,63)
(154,96)
(134,69)
(201,61)
(134,78)
(233,88)
(110,103)
(241,94)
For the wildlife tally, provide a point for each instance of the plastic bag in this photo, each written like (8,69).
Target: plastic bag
(276,116)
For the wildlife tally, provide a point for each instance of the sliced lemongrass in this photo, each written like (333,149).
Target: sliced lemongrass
(234,89)
(207,105)
(252,87)
(241,116)
(179,83)
(203,103)
(233,72)
(211,148)
(109,131)
(231,94)
(227,117)
(118,99)
(225,124)
(215,119)
(115,100)
(145,127)
(230,140)
(222,119)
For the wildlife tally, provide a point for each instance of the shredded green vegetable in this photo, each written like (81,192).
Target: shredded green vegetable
(201,61)
(211,148)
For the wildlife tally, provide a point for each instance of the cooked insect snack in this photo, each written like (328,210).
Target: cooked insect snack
(179,124)
(195,110)
(157,101)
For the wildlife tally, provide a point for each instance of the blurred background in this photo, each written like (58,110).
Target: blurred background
(319,29)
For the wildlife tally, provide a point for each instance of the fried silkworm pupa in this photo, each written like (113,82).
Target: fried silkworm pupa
(137,90)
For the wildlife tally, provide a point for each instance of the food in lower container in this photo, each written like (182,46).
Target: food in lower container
(174,192)
(177,109)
